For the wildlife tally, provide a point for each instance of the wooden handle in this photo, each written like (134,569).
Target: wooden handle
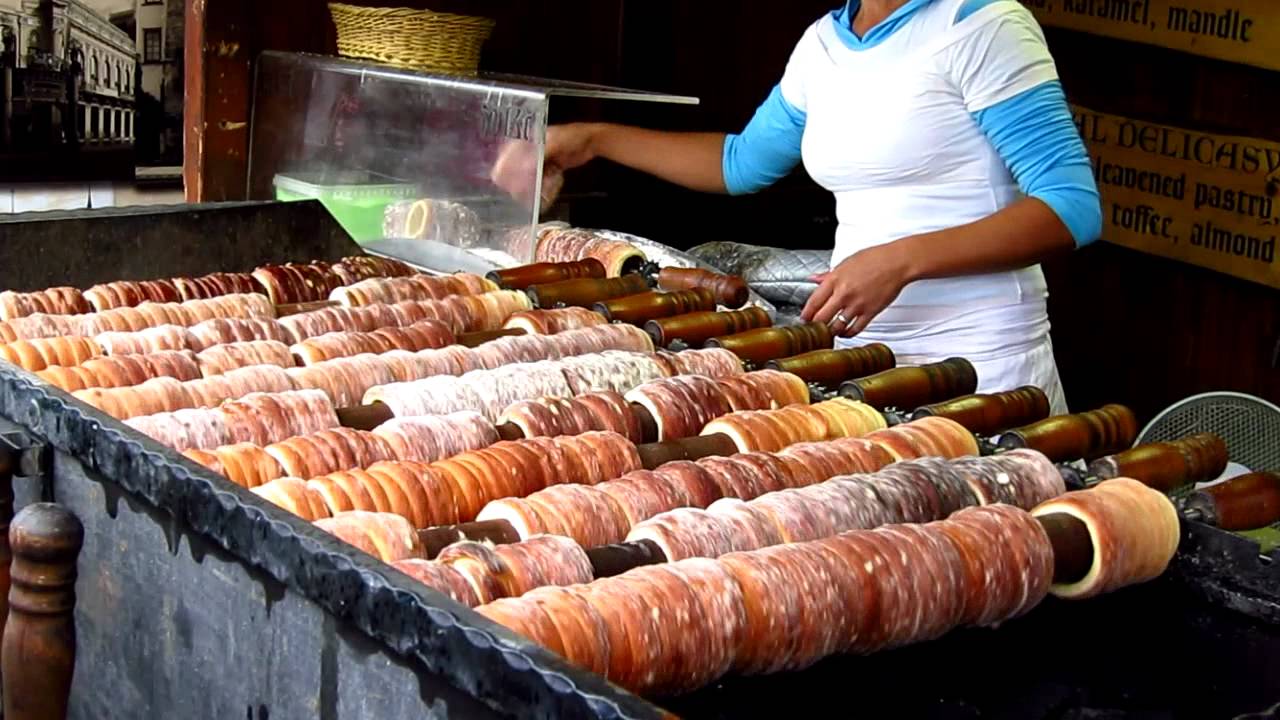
(638,309)
(1072,546)
(475,339)
(304,307)
(765,344)
(510,431)
(1069,536)
(364,417)
(648,425)
(611,560)
(39,648)
(1247,502)
(1167,466)
(519,278)
(912,387)
(994,413)
(654,455)
(432,540)
(606,560)
(648,428)
(1087,436)
(695,329)
(585,292)
(729,290)
(1207,455)
(829,368)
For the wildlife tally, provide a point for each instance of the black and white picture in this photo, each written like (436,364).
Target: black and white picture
(91,89)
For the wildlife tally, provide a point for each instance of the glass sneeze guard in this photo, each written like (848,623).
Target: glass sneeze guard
(400,154)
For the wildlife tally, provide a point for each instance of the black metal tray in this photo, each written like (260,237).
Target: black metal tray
(84,247)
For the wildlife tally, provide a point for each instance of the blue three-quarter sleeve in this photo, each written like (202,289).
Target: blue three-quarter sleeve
(767,149)
(1035,135)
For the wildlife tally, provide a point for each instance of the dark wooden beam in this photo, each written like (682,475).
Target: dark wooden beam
(218,81)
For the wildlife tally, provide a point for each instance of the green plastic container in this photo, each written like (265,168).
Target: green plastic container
(355,199)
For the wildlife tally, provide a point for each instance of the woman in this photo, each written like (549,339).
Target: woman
(942,130)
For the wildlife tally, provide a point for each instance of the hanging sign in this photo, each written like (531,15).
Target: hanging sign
(1240,31)
(1209,200)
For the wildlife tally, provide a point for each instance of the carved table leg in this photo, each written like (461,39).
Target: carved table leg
(6,517)
(38,654)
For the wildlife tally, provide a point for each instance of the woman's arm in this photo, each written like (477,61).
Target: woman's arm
(1022,234)
(1037,137)
(692,160)
(766,150)
(864,284)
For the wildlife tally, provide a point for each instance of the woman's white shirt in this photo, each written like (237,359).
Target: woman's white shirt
(890,131)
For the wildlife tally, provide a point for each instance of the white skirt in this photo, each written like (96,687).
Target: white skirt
(1009,345)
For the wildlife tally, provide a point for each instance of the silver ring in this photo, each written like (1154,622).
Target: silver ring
(845,323)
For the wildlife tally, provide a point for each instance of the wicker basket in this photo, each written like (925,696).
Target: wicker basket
(418,39)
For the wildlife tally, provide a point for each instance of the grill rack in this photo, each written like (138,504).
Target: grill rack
(194,556)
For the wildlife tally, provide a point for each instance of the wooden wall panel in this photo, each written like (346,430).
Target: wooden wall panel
(1130,327)
(1147,332)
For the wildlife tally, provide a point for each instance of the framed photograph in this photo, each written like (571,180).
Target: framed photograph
(90,90)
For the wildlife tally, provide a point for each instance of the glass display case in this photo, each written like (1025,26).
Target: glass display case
(448,162)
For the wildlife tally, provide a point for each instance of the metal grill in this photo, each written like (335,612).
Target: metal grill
(1250,426)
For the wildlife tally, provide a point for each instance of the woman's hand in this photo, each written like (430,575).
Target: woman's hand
(853,293)
(570,146)
(567,147)
(692,160)
(860,288)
